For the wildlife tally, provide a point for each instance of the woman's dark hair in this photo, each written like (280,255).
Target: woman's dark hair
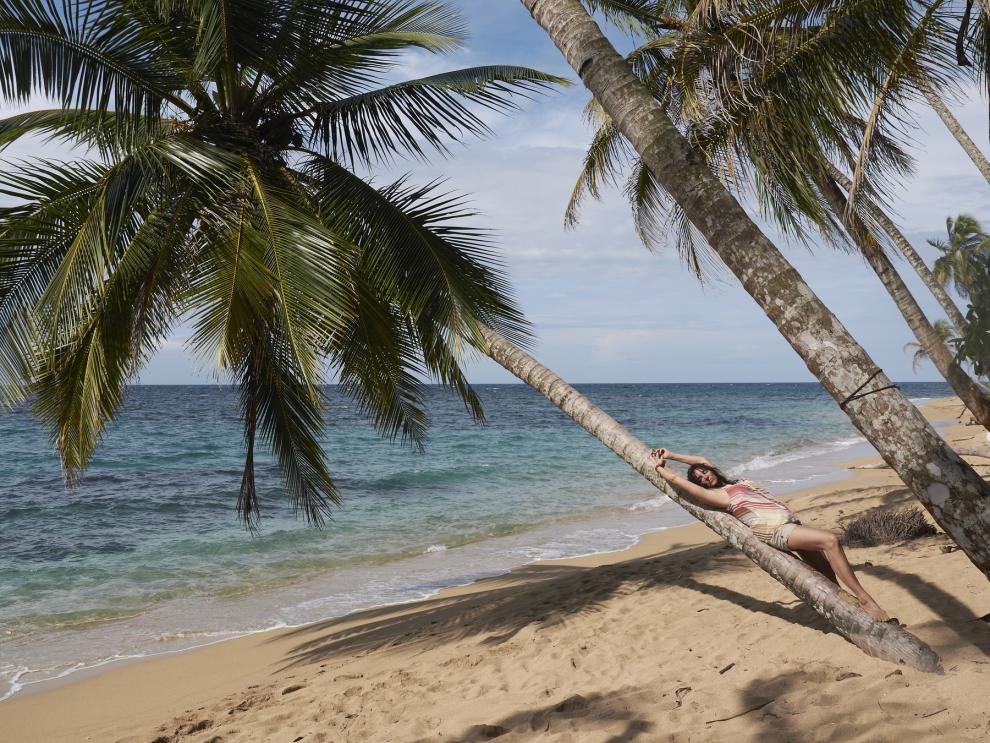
(720,479)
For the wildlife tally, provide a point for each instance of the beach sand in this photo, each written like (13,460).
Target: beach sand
(680,638)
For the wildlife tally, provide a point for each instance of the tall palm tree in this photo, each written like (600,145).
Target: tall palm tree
(765,124)
(887,225)
(944,330)
(967,243)
(971,393)
(225,138)
(952,491)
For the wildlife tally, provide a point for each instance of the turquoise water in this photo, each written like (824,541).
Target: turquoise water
(147,551)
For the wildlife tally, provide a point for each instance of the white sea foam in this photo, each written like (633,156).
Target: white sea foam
(789,480)
(651,504)
(14,680)
(436,548)
(766,461)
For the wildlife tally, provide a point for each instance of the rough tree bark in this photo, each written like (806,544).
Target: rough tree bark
(962,384)
(875,638)
(908,251)
(955,495)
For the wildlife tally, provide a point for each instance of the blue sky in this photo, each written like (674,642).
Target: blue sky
(604,308)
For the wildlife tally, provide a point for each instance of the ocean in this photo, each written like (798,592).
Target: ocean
(146,555)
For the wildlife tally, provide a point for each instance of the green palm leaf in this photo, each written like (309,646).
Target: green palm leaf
(376,126)
(85,54)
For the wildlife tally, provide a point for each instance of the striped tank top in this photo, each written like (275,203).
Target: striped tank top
(752,505)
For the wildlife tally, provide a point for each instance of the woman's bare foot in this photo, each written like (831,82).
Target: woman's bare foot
(866,603)
(872,608)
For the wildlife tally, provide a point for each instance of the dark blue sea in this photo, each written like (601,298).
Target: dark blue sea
(147,555)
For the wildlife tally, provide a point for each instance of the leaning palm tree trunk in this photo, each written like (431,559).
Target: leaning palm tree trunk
(956,130)
(962,384)
(908,251)
(956,496)
(875,638)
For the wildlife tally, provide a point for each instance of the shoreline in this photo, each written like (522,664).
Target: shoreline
(222,665)
(826,462)
(419,576)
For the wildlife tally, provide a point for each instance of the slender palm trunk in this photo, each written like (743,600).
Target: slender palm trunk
(878,639)
(963,385)
(913,259)
(955,128)
(956,496)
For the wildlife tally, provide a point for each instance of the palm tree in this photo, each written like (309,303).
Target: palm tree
(875,638)
(972,395)
(223,188)
(951,123)
(952,491)
(966,244)
(887,225)
(928,62)
(766,123)
(944,331)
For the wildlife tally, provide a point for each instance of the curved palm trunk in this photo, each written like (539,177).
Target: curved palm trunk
(955,128)
(957,498)
(913,259)
(963,385)
(908,251)
(876,638)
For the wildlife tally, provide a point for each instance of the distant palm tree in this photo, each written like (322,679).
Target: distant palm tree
(226,135)
(967,243)
(944,332)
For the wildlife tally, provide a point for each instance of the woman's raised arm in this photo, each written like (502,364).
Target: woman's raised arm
(685,458)
(713,498)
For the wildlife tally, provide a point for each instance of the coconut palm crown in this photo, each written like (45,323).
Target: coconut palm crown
(944,331)
(967,244)
(770,92)
(221,186)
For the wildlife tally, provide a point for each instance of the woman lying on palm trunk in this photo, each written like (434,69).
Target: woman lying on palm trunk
(770,520)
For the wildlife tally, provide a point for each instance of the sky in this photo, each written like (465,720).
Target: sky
(605,309)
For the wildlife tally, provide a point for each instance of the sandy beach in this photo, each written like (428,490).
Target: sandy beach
(679,638)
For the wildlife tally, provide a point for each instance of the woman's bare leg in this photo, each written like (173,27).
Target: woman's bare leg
(817,560)
(809,538)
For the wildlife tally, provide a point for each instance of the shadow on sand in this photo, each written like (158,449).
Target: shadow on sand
(537,594)
(583,716)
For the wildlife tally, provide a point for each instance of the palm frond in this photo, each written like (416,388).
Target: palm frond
(400,119)
(285,409)
(79,387)
(325,51)
(380,365)
(660,221)
(897,86)
(85,54)
(607,155)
